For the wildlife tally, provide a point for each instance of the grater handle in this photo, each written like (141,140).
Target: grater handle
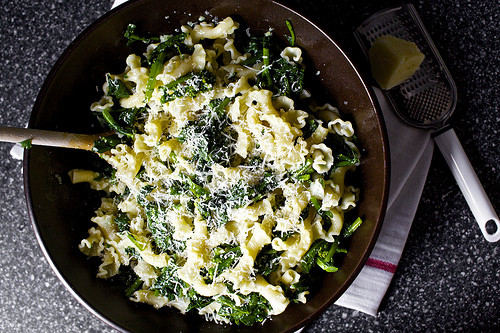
(468,182)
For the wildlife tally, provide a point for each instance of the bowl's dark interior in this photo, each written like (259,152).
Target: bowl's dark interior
(60,211)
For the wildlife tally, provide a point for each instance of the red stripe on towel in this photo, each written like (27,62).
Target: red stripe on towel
(383,265)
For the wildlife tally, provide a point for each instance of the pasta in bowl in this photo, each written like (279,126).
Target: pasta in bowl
(228,190)
(224,197)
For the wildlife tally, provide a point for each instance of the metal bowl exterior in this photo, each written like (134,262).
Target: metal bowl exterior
(60,211)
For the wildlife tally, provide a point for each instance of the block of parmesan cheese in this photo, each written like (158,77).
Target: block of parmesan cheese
(393,60)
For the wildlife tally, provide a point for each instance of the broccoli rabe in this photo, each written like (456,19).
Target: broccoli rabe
(304,172)
(139,245)
(189,85)
(121,120)
(168,284)
(196,190)
(224,257)
(214,209)
(287,78)
(307,283)
(311,126)
(322,253)
(133,287)
(132,36)
(130,116)
(106,143)
(266,81)
(291,38)
(343,154)
(127,280)
(252,308)
(114,125)
(122,221)
(248,310)
(27,144)
(132,252)
(351,228)
(282,77)
(161,231)
(142,196)
(254,46)
(197,301)
(210,136)
(117,88)
(172,44)
(218,105)
(267,260)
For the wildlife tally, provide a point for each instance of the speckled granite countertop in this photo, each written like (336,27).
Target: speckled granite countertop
(448,278)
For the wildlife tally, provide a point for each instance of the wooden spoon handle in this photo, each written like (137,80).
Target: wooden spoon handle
(48,138)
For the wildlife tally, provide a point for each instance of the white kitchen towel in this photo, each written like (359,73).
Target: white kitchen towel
(411,153)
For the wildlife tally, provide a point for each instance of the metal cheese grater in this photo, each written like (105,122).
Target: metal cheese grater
(427,100)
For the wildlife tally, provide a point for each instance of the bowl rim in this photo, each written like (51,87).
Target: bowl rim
(36,108)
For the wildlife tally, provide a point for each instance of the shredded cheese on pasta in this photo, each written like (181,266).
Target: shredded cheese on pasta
(180,207)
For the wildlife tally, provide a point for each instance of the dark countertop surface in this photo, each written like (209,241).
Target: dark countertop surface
(448,278)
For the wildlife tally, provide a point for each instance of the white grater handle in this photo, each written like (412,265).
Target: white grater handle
(468,182)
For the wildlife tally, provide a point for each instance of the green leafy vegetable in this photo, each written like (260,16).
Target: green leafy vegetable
(324,257)
(117,88)
(127,280)
(132,252)
(352,227)
(132,36)
(168,284)
(320,253)
(106,143)
(170,45)
(253,308)
(122,222)
(214,209)
(311,126)
(218,106)
(189,85)
(130,116)
(157,58)
(224,256)
(211,136)
(304,172)
(133,287)
(197,301)
(282,77)
(291,38)
(155,69)
(26,143)
(113,124)
(267,260)
(134,241)
(287,77)
(253,45)
(343,154)
(267,80)
(143,193)
(162,231)
(197,190)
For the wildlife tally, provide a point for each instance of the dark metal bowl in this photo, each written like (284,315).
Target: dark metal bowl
(60,211)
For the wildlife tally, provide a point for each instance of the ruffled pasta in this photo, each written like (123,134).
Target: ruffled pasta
(219,228)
